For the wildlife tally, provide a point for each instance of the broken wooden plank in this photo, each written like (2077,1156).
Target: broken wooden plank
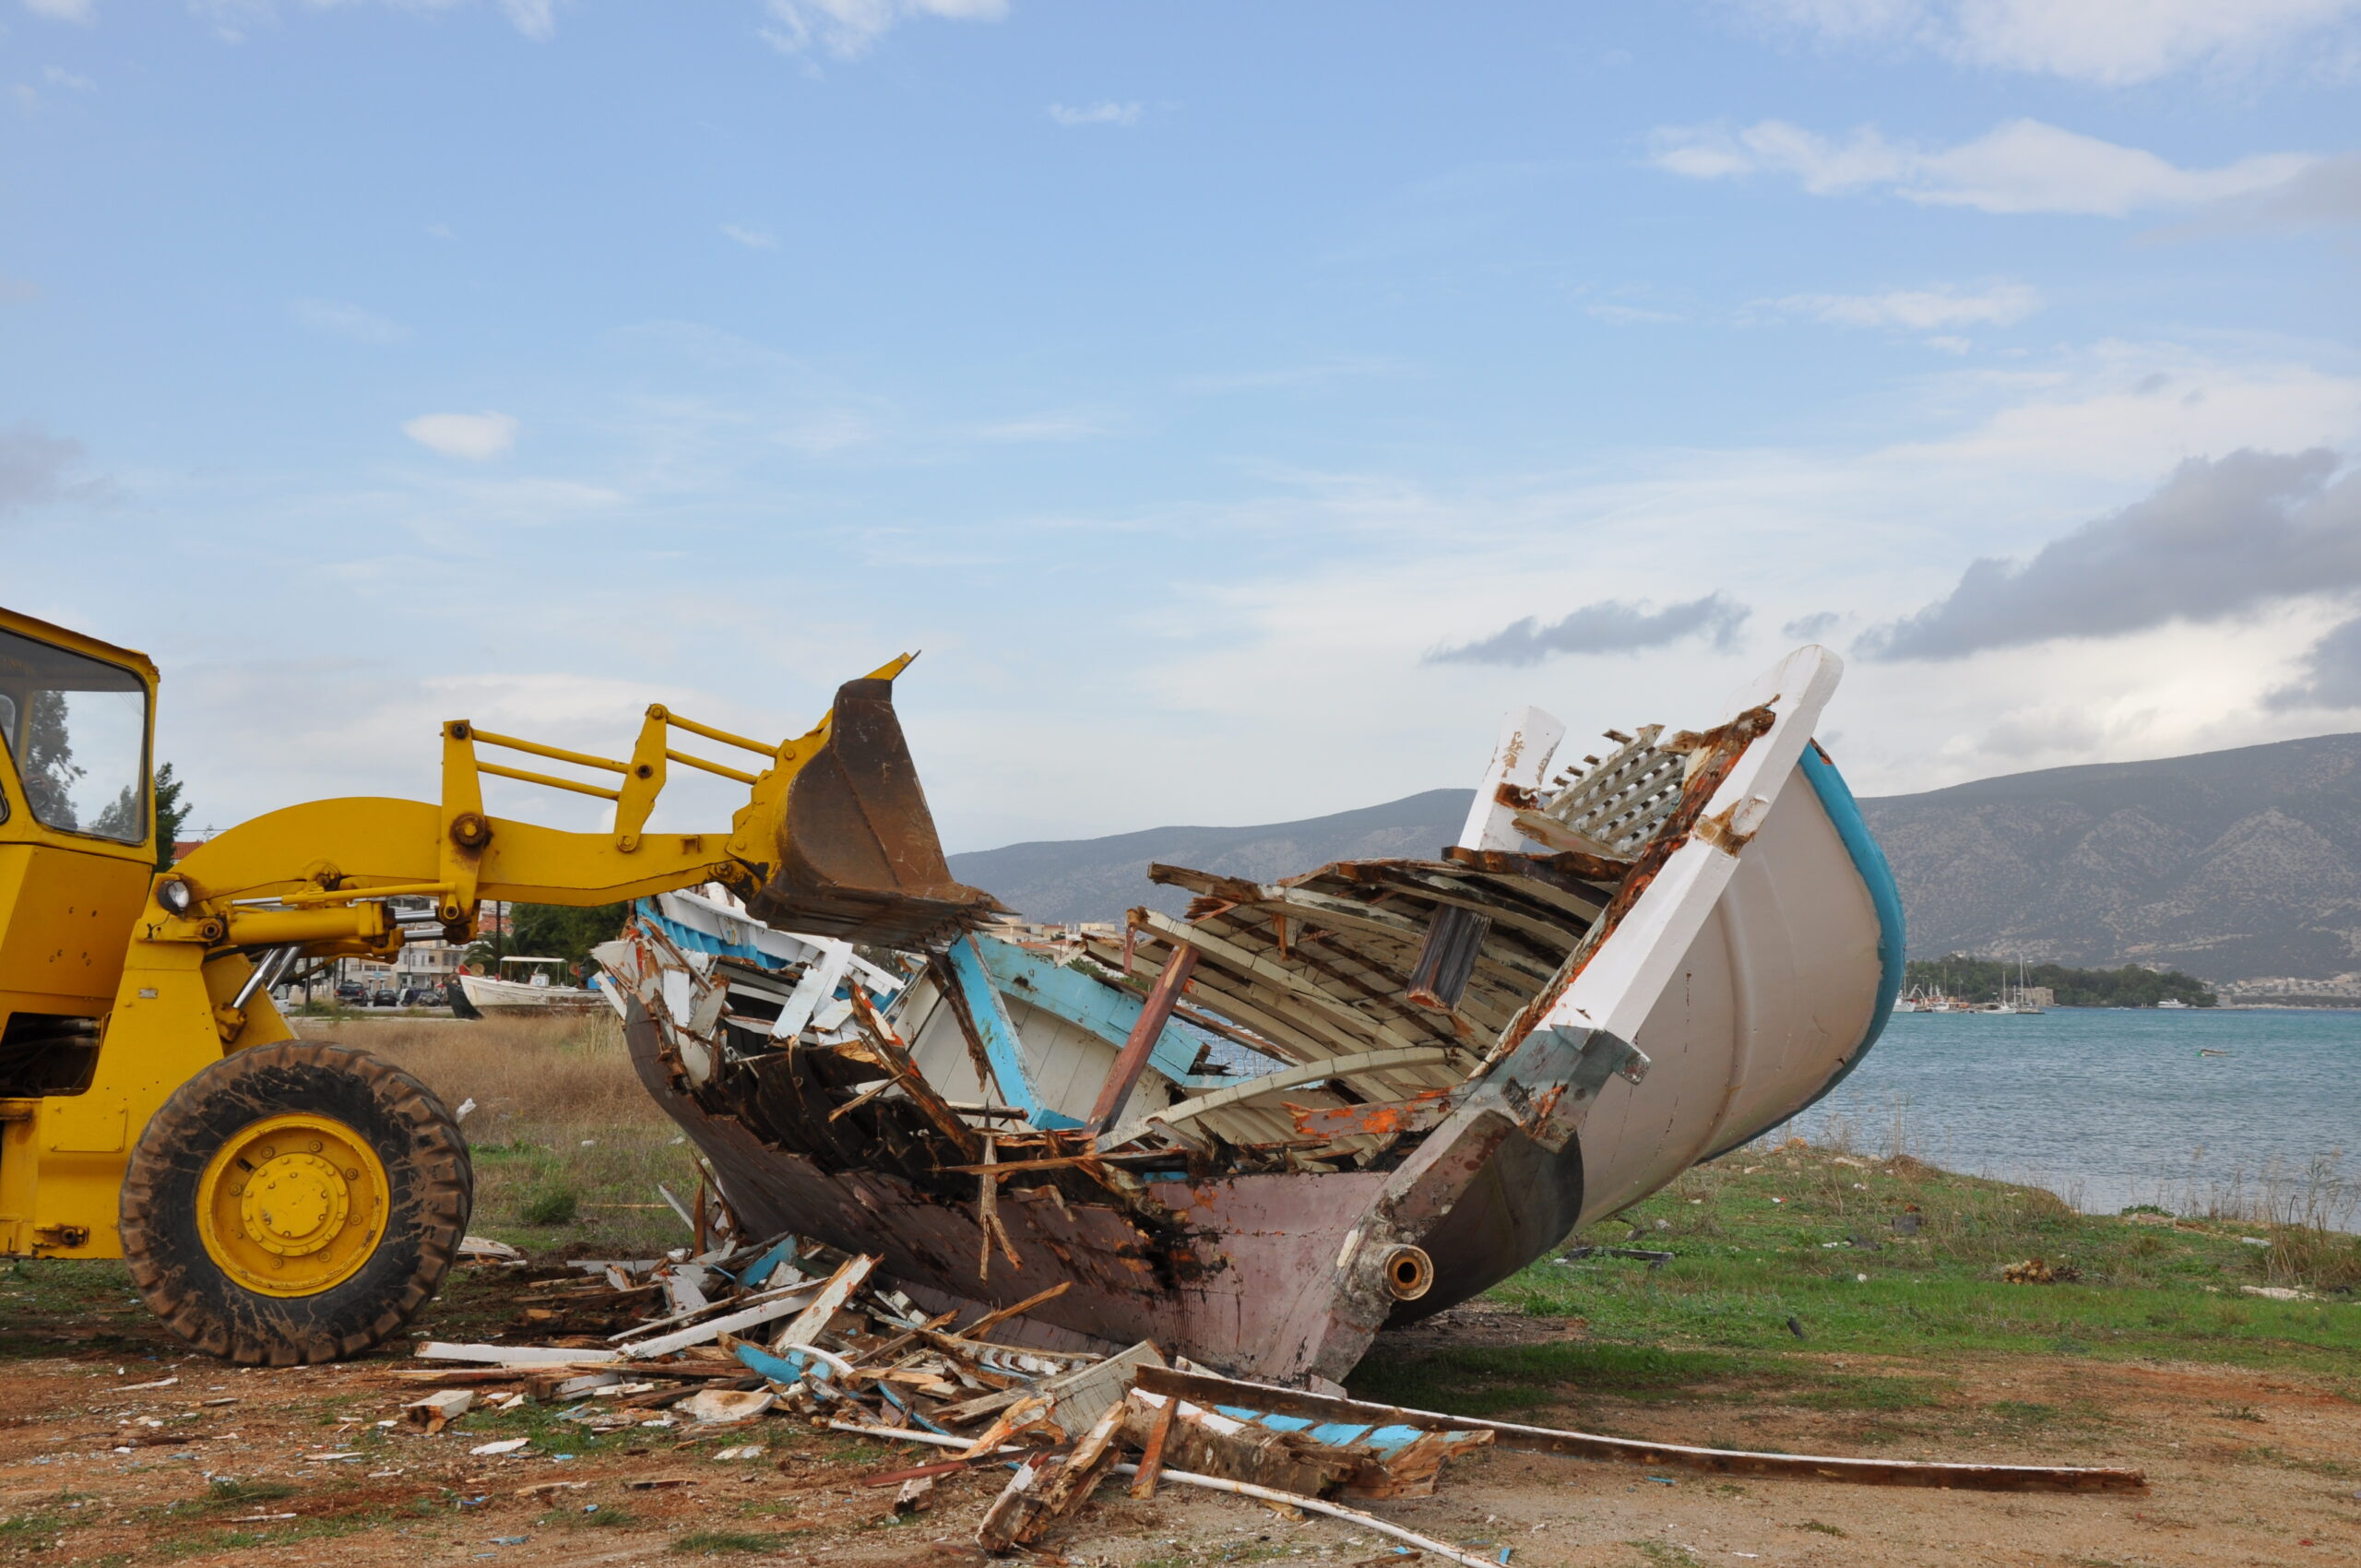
(994,1319)
(1152,1450)
(521,1354)
(1271,1083)
(714,1328)
(1210,1443)
(1207,1389)
(1046,1488)
(1123,1074)
(1086,1392)
(832,1297)
(436,1411)
(895,1057)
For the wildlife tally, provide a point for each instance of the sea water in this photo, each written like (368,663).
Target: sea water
(2109,1107)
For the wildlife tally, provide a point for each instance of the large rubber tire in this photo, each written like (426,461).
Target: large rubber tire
(431,1185)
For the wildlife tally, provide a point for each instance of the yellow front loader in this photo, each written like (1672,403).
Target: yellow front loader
(281,1201)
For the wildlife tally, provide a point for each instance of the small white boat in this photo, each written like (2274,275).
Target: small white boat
(496,996)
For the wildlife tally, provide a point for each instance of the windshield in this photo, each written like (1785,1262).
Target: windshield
(76,729)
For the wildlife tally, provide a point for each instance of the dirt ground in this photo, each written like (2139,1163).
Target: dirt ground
(223,1465)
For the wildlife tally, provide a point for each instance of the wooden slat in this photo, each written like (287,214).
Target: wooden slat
(1211,1391)
(1124,1075)
(1242,961)
(1271,1083)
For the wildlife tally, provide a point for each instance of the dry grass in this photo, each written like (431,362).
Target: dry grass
(568,1147)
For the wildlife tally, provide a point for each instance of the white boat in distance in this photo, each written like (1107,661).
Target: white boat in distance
(497,995)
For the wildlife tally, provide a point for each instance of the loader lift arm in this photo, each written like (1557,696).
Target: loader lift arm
(290,1201)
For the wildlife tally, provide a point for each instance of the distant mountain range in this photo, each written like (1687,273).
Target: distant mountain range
(1098,879)
(2231,864)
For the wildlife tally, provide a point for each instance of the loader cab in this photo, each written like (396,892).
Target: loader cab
(77,845)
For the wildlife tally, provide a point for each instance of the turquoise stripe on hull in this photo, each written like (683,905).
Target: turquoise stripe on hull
(1836,799)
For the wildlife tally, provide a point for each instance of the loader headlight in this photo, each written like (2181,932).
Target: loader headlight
(174,896)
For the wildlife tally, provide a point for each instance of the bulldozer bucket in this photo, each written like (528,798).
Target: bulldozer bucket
(857,856)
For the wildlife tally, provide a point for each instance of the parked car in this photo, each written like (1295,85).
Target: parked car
(382,997)
(422,996)
(352,994)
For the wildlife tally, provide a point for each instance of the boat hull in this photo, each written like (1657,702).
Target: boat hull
(1743,964)
(500,998)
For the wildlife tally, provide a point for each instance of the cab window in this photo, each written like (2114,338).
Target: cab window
(76,730)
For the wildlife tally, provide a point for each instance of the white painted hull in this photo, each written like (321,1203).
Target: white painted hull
(498,998)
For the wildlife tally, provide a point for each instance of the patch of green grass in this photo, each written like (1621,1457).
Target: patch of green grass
(716,1543)
(1481,1380)
(551,1203)
(1664,1553)
(1820,1528)
(2020,1413)
(1746,1265)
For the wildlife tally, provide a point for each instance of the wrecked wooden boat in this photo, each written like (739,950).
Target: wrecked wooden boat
(1309,1109)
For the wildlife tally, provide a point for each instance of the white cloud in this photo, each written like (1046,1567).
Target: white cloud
(83,11)
(1951,344)
(347,321)
(473,436)
(2018,166)
(1628,315)
(537,19)
(1106,111)
(1041,427)
(58,75)
(753,239)
(1920,310)
(846,29)
(2111,43)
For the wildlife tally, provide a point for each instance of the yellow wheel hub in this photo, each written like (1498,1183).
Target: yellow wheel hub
(292,1205)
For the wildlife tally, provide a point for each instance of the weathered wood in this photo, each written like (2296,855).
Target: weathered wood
(1152,1450)
(1207,1389)
(1447,959)
(1567,871)
(1368,1062)
(1045,1488)
(1208,1443)
(1291,981)
(993,1319)
(895,1057)
(1124,1075)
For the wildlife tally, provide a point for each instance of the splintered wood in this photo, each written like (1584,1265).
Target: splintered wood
(831,1344)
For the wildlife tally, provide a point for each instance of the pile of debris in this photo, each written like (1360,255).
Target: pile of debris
(793,1329)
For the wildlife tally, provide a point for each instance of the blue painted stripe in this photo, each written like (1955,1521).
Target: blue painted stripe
(690,940)
(1845,812)
(1003,1049)
(1105,1011)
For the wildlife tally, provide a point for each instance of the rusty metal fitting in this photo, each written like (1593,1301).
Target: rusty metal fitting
(469,831)
(1408,1272)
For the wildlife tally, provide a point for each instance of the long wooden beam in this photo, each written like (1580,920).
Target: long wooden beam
(1132,1060)
(1207,1390)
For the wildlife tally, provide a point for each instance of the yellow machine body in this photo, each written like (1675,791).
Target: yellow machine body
(118,984)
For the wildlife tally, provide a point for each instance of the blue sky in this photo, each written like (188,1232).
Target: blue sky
(1242,405)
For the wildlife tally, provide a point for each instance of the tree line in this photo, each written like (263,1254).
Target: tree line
(1989,979)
